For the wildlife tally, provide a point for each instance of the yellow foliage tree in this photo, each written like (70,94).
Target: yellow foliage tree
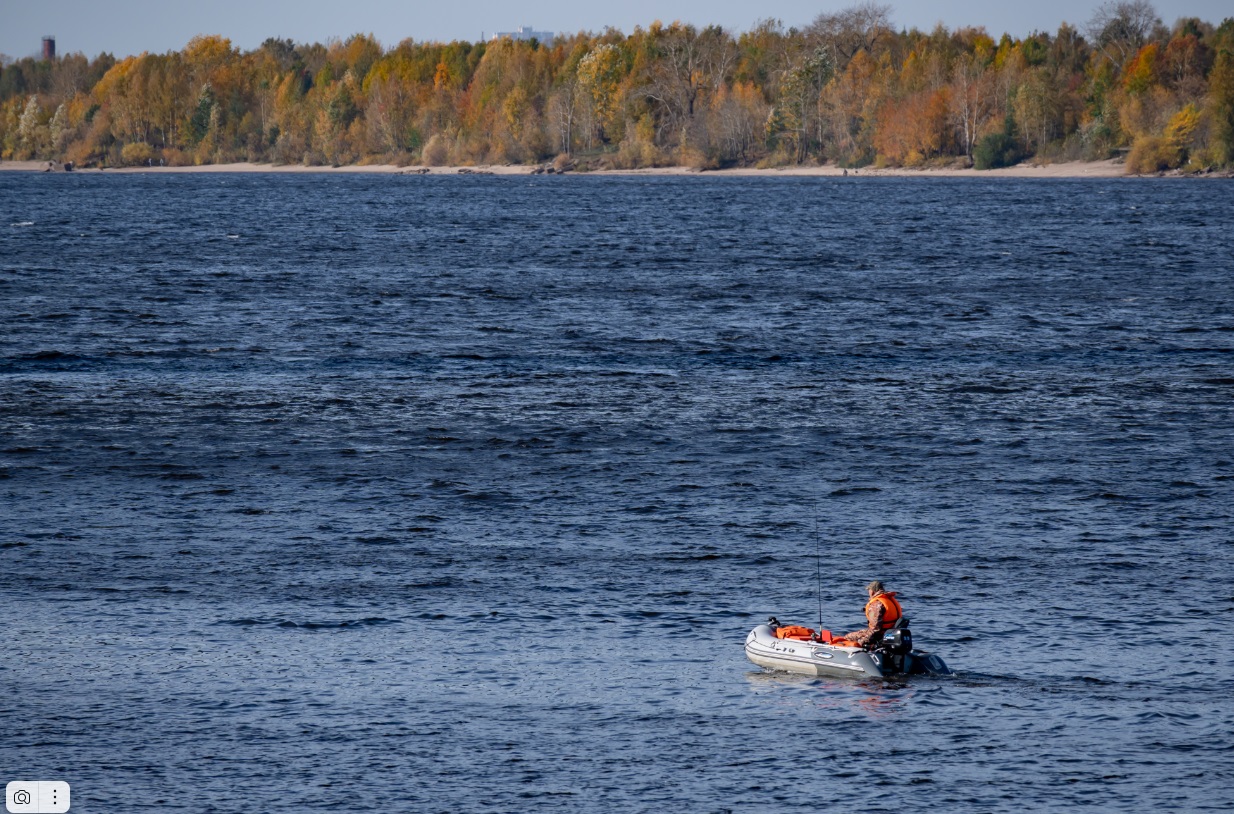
(600,74)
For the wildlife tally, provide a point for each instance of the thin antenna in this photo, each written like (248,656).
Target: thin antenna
(818,562)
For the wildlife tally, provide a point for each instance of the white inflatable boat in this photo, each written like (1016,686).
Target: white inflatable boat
(801,650)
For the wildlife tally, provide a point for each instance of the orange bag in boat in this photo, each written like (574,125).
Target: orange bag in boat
(794,632)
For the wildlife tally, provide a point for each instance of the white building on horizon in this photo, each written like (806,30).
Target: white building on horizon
(524,33)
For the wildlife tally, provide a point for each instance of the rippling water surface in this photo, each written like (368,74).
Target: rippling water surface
(461,494)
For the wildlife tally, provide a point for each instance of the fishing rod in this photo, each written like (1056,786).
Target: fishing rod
(818,560)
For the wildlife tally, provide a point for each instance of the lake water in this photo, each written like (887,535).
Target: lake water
(435,494)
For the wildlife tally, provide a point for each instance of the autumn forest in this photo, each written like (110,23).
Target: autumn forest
(847,88)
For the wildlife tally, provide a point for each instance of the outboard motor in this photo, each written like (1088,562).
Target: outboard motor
(897,642)
(895,645)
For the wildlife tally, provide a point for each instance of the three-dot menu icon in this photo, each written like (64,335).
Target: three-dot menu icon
(37,797)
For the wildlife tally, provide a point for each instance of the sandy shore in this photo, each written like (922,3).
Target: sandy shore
(1073,169)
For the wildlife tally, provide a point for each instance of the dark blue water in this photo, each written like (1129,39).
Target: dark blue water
(460,495)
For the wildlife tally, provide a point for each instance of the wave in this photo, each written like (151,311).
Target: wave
(289,624)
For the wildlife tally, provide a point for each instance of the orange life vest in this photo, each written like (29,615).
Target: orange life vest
(891,609)
(794,632)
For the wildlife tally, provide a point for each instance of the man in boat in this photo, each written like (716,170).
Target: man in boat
(882,612)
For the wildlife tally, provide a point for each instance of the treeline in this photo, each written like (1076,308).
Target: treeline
(847,88)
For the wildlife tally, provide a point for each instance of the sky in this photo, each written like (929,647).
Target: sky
(124,27)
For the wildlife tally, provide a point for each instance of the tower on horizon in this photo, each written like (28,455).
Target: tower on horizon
(49,48)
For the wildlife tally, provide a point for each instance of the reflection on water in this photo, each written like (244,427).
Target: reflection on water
(872,697)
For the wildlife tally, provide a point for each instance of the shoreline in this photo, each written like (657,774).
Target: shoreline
(1111,168)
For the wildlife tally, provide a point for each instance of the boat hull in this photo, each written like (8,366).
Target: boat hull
(818,659)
